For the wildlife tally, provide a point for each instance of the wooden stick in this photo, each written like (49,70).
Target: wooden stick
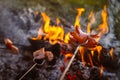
(69,64)
(27,72)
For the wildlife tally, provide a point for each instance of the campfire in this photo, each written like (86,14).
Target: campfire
(77,54)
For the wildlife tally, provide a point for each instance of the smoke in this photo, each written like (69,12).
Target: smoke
(15,25)
(10,27)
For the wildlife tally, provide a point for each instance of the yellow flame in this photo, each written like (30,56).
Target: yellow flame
(91,17)
(67,38)
(92,52)
(53,33)
(99,48)
(77,20)
(46,22)
(104,26)
(111,52)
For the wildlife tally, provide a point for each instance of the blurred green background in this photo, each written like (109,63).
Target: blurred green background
(64,9)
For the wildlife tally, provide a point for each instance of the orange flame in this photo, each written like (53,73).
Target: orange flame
(67,56)
(91,17)
(77,20)
(92,52)
(56,33)
(53,33)
(81,50)
(40,33)
(111,52)
(90,58)
(57,21)
(104,26)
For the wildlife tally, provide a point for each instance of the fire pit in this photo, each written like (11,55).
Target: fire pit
(56,52)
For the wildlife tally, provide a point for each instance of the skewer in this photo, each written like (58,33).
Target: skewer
(27,72)
(69,64)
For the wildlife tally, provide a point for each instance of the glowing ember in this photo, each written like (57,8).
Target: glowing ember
(69,77)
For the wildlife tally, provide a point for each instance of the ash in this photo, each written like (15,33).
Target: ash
(11,65)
